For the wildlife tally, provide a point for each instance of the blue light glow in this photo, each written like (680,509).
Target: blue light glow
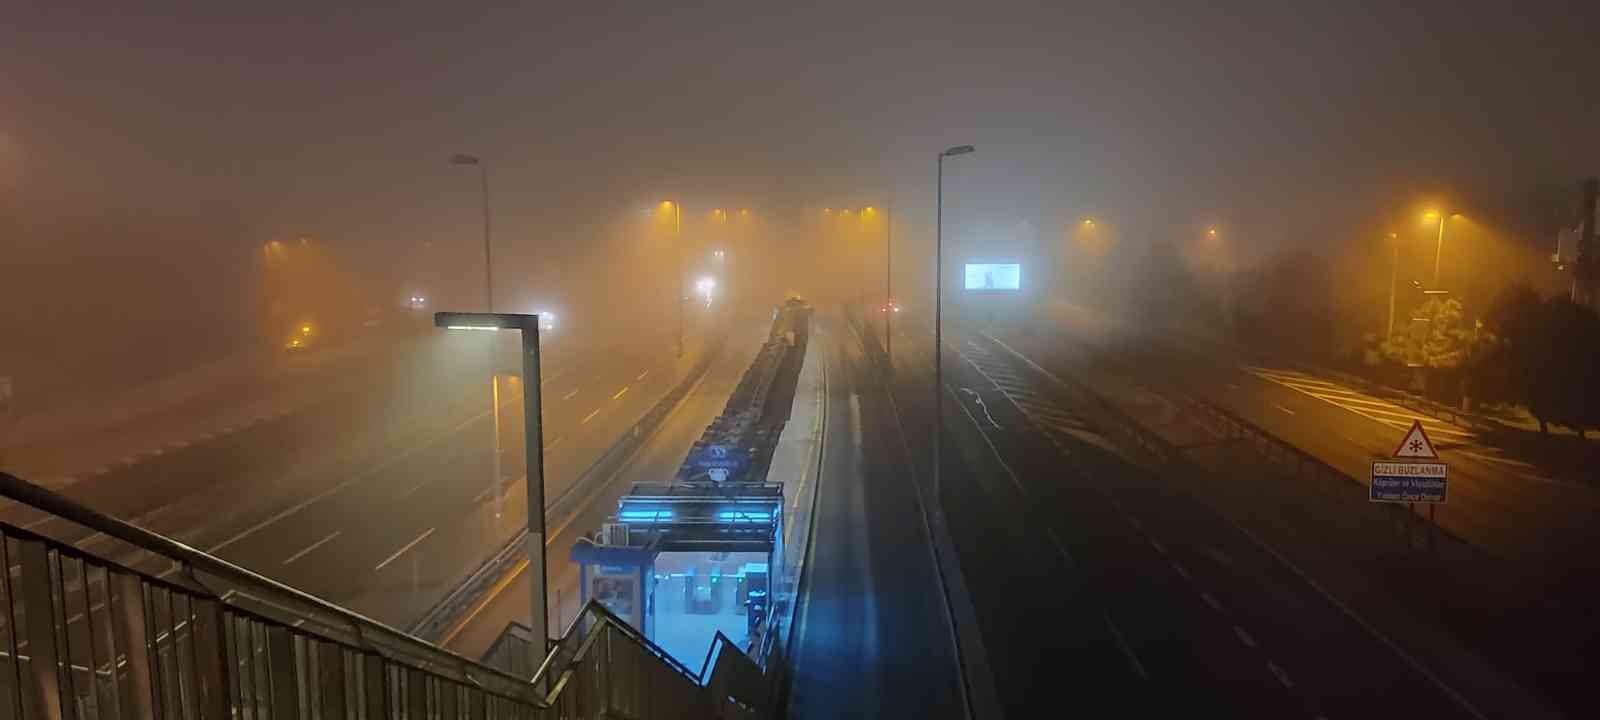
(645,515)
(737,516)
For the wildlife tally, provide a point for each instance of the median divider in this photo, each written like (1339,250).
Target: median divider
(450,610)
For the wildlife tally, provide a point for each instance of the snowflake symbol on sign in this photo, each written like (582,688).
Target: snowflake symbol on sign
(1416,446)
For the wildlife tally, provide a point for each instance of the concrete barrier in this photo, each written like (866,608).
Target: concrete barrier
(448,611)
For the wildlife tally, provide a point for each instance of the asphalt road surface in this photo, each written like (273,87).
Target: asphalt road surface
(381,498)
(1100,584)
(656,461)
(872,636)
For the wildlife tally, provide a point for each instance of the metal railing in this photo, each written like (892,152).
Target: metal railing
(85,638)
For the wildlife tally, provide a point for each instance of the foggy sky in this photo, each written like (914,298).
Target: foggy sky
(304,115)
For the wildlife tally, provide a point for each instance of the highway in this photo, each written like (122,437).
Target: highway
(1504,504)
(1499,602)
(381,497)
(656,461)
(872,636)
(1100,583)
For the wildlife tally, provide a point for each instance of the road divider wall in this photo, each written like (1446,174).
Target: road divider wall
(450,610)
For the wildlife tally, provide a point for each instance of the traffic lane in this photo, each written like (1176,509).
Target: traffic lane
(1042,630)
(1499,504)
(391,505)
(872,632)
(195,518)
(345,504)
(1318,652)
(415,389)
(657,460)
(1153,628)
(1491,505)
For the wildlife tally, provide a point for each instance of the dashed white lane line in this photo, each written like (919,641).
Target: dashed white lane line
(1122,643)
(553,443)
(1060,547)
(1244,637)
(1211,600)
(1158,546)
(1183,572)
(402,551)
(1278,673)
(589,417)
(1280,407)
(620,393)
(1135,522)
(569,395)
(641,376)
(312,546)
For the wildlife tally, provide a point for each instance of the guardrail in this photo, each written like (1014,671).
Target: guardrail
(84,637)
(445,614)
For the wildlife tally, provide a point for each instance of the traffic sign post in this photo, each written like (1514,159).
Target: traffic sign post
(1409,479)
(1408,482)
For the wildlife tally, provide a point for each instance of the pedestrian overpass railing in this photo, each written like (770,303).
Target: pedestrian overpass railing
(85,638)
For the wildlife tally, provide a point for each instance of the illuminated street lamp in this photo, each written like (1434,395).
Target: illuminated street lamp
(938,309)
(483,175)
(1438,247)
(1394,276)
(533,438)
(677,240)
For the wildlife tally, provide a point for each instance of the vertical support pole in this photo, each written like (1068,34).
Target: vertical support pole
(534,449)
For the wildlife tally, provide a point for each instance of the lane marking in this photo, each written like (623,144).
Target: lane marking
(1060,547)
(1127,651)
(1280,407)
(312,546)
(1244,637)
(1282,676)
(979,400)
(347,483)
(589,417)
(1211,600)
(1372,631)
(620,393)
(402,551)
(1158,546)
(569,395)
(1135,522)
(641,376)
(1182,571)
(554,443)
(996,451)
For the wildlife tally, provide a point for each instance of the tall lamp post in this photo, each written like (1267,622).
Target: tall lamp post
(488,291)
(888,282)
(1394,276)
(1438,246)
(938,313)
(533,437)
(677,241)
(483,176)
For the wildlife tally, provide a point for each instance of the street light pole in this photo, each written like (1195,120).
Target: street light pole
(1394,276)
(677,240)
(888,282)
(488,258)
(938,314)
(533,440)
(1438,250)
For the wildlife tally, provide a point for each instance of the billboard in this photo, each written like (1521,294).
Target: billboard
(994,276)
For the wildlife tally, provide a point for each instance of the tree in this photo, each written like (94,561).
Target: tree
(1444,342)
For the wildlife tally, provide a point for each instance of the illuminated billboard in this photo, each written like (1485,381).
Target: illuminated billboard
(994,276)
